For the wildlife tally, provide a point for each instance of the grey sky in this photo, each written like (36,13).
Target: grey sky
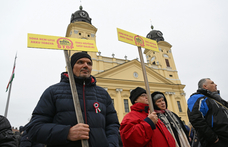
(197,31)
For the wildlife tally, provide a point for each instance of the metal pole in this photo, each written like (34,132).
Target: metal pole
(146,80)
(76,101)
(7,103)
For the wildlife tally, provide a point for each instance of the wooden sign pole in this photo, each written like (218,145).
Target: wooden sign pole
(76,101)
(146,80)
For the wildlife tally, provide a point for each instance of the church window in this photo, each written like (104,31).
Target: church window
(88,35)
(126,106)
(80,34)
(179,106)
(147,56)
(170,75)
(167,62)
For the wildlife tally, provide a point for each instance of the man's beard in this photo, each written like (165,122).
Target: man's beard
(85,76)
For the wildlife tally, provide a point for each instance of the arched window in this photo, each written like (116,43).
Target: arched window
(179,106)
(126,105)
(167,62)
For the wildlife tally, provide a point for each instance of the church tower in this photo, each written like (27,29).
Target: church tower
(119,76)
(81,27)
(162,61)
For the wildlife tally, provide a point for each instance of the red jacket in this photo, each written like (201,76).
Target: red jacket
(137,130)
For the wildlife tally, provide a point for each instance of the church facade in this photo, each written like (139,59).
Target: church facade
(120,76)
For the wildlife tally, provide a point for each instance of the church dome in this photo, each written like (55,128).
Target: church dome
(155,35)
(80,15)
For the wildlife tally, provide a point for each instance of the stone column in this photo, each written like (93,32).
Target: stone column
(171,101)
(119,103)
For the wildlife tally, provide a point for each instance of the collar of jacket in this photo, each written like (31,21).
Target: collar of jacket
(213,95)
(140,107)
(88,81)
(207,93)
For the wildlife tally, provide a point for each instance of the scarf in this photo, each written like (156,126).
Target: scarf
(174,127)
(214,95)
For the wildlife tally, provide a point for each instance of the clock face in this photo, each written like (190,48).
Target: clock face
(166,56)
(152,59)
(135,74)
(159,34)
(83,14)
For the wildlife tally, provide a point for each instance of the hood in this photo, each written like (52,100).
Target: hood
(155,106)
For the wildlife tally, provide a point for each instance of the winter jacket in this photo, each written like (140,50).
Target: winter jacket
(137,130)
(209,118)
(55,114)
(7,138)
(26,142)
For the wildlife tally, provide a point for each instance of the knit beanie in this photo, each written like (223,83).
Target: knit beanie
(79,55)
(136,93)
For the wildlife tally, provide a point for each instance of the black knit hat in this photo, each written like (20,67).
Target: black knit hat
(136,93)
(79,55)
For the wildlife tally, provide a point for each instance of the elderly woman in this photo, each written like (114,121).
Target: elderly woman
(170,119)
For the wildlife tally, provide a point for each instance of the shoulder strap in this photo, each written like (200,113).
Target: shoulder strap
(219,103)
(190,128)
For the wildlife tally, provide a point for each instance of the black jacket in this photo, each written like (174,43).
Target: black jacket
(209,117)
(54,115)
(7,138)
(26,142)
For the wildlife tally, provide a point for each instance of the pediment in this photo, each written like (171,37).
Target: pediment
(126,71)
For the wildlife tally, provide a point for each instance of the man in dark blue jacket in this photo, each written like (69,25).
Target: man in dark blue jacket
(208,114)
(54,120)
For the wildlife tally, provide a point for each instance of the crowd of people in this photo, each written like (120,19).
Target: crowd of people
(54,122)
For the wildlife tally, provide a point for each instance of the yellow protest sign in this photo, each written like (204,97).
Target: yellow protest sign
(61,43)
(137,40)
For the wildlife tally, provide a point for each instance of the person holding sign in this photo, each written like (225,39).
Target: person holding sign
(54,121)
(140,129)
(172,122)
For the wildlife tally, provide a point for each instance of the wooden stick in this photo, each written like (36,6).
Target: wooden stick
(146,80)
(76,101)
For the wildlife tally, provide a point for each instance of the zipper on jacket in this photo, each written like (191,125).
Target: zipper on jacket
(84,101)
